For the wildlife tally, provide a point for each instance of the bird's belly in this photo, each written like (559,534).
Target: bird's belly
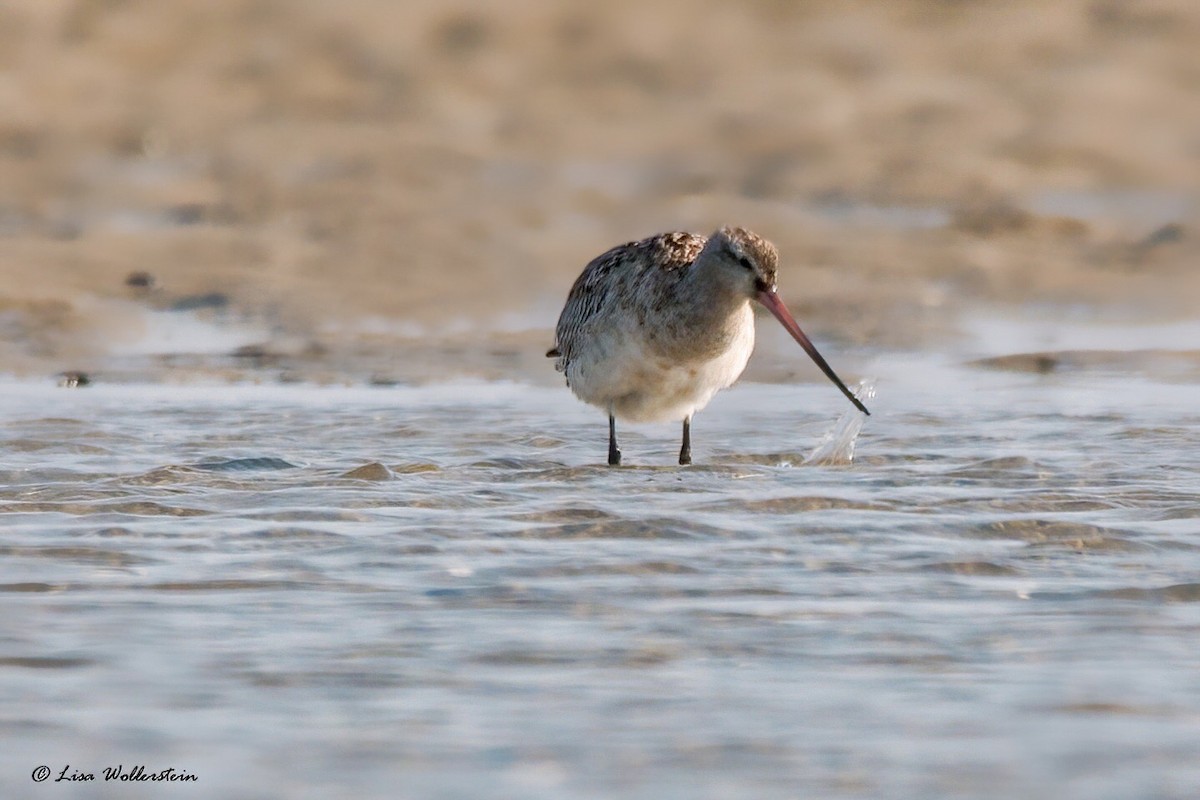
(640,386)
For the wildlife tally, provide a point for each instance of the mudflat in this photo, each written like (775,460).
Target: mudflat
(380,187)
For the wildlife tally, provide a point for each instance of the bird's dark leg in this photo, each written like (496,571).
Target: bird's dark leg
(614,455)
(685,452)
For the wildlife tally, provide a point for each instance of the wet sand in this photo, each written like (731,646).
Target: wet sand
(373,185)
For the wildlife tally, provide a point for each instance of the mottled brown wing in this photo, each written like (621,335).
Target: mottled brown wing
(609,275)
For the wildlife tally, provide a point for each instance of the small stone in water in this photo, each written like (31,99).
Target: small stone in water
(73,379)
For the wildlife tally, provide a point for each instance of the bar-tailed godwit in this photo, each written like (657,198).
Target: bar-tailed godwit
(653,329)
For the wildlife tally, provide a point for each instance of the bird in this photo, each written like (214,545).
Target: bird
(653,328)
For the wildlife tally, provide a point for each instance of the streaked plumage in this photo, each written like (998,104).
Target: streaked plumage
(652,329)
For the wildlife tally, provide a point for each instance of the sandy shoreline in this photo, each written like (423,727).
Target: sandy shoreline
(376,184)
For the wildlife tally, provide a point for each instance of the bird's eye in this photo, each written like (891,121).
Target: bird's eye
(745,262)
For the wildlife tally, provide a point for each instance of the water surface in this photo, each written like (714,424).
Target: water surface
(440,591)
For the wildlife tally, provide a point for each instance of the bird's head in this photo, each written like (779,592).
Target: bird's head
(744,261)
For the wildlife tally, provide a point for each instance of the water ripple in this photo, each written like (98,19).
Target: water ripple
(446,578)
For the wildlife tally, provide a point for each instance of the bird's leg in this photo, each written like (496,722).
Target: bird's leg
(685,452)
(614,455)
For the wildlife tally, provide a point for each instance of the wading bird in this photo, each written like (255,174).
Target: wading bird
(653,329)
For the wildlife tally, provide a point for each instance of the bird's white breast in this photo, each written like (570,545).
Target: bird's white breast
(622,373)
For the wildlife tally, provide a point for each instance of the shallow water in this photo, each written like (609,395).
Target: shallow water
(439,591)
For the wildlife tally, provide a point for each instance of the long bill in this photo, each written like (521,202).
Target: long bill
(770,298)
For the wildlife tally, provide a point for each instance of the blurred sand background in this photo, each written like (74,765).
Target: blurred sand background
(406,190)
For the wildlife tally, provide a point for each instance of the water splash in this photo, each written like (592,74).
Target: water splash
(837,445)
